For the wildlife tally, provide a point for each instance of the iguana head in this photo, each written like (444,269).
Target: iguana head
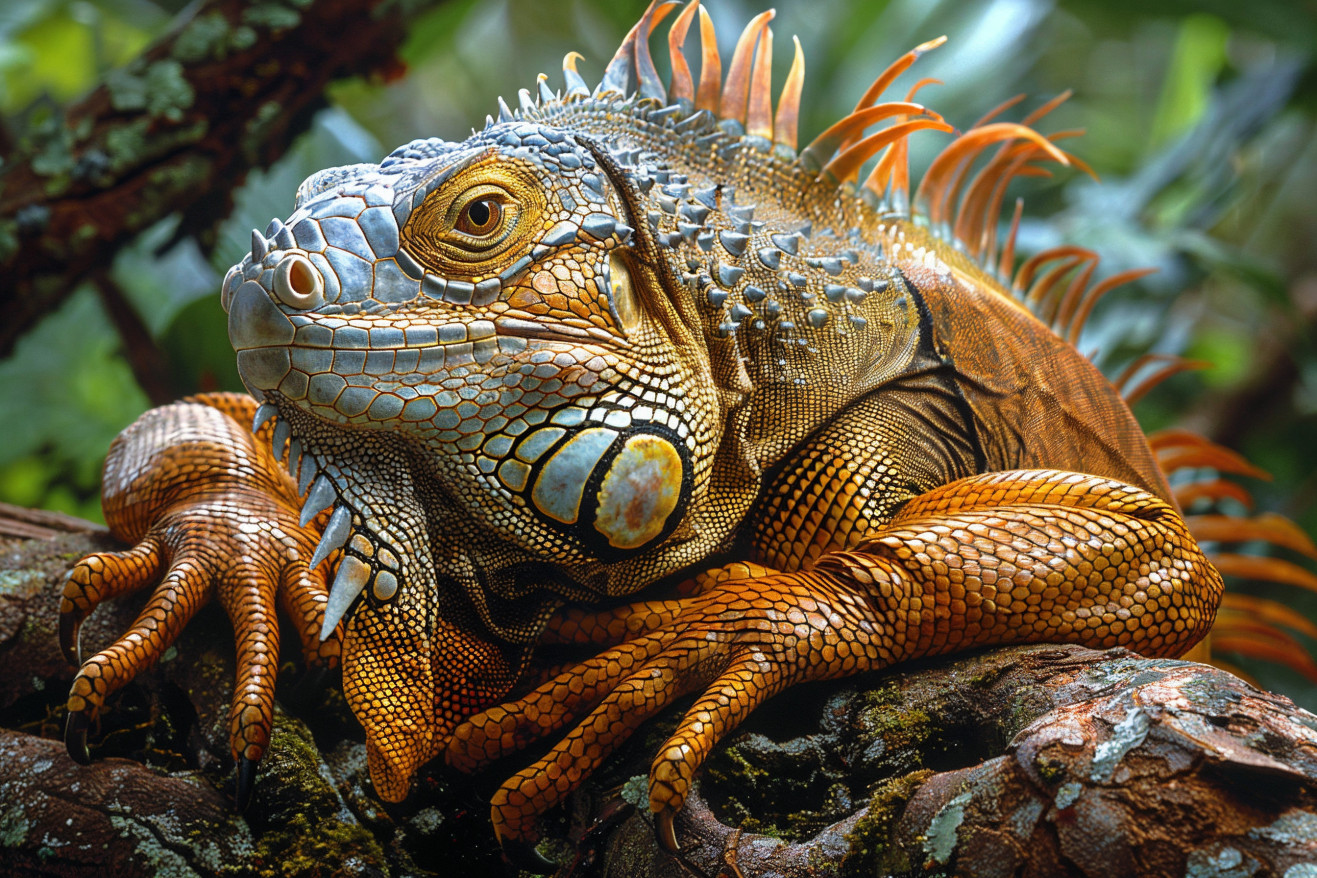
(491,305)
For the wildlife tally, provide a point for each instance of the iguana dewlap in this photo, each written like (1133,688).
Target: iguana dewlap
(619,337)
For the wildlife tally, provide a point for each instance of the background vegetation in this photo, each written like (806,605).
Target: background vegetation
(1199,118)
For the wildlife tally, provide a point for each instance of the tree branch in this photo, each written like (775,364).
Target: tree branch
(1032,760)
(177,130)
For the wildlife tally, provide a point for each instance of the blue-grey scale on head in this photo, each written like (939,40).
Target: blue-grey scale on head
(446,296)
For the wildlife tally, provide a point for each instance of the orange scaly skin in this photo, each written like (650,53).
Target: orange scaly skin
(613,341)
(210,514)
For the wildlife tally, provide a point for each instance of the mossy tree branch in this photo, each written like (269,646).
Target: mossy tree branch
(225,91)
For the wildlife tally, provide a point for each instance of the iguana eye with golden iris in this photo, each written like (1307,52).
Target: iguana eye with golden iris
(471,220)
(481,216)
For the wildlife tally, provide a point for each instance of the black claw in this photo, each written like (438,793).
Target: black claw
(523,855)
(75,737)
(69,627)
(242,786)
(666,832)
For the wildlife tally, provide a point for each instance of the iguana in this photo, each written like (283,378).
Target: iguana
(627,369)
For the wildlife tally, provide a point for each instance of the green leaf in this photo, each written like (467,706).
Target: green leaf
(1196,61)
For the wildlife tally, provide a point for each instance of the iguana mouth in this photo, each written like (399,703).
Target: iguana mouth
(518,328)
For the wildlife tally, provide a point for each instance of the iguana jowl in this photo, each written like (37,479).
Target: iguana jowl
(620,338)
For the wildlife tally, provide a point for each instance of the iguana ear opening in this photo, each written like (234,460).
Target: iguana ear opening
(621,291)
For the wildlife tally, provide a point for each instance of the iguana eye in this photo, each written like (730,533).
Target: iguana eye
(481,213)
(480,217)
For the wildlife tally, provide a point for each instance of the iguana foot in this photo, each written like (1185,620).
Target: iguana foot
(212,515)
(1030,555)
(738,643)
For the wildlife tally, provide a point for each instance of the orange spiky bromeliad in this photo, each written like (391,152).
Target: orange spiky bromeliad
(625,338)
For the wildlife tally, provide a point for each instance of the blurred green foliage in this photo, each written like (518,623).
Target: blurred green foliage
(1199,117)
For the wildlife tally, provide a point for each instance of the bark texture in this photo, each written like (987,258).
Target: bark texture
(1049,760)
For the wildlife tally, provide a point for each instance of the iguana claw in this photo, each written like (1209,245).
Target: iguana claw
(70,643)
(665,831)
(244,783)
(75,737)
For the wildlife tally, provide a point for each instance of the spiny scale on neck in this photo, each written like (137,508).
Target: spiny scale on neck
(761,244)
(788,245)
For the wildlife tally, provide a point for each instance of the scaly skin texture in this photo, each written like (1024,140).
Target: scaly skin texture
(210,514)
(616,341)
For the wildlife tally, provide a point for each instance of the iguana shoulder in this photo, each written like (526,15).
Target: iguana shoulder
(811,295)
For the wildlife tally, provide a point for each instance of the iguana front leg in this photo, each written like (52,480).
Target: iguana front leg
(1001,558)
(211,513)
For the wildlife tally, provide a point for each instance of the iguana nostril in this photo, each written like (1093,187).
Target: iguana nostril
(298,284)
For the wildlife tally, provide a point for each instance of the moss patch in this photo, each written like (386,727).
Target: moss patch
(160,89)
(273,16)
(871,850)
(304,827)
(206,36)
